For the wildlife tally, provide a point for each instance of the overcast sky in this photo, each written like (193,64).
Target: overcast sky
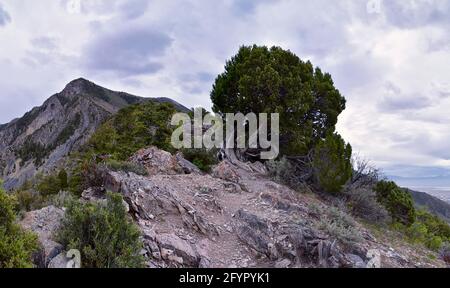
(391,59)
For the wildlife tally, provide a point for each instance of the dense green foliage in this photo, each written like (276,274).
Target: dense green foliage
(63,179)
(51,184)
(332,163)
(204,159)
(42,190)
(16,245)
(103,234)
(397,201)
(133,128)
(428,230)
(263,80)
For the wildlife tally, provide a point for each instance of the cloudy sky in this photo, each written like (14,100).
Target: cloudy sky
(391,59)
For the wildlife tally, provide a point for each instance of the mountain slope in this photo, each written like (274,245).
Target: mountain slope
(434,205)
(41,139)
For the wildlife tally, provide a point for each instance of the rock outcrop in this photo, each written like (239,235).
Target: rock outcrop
(160,162)
(44,223)
(235,217)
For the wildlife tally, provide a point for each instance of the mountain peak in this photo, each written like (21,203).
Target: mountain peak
(78,86)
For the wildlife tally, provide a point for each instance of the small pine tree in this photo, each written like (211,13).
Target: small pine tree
(332,163)
(397,201)
(63,179)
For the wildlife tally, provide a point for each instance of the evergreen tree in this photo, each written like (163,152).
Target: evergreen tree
(263,80)
(63,181)
(397,201)
(332,163)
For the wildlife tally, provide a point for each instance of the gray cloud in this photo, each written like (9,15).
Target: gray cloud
(395,100)
(415,13)
(129,52)
(132,9)
(5,18)
(244,7)
(44,43)
(404,102)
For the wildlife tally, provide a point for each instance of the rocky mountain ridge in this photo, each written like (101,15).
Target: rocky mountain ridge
(236,216)
(39,141)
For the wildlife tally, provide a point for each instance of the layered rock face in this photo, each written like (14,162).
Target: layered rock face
(41,139)
(235,217)
(45,223)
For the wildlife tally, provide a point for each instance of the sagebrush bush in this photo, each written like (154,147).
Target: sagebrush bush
(397,201)
(284,172)
(338,224)
(281,170)
(16,245)
(62,199)
(103,233)
(126,166)
(363,204)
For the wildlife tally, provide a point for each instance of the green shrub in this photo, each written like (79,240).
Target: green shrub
(87,171)
(339,225)
(125,166)
(63,179)
(132,128)
(28,200)
(62,199)
(280,170)
(204,159)
(434,243)
(397,202)
(363,203)
(43,191)
(435,225)
(332,163)
(16,245)
(437,230)
(103,233)
(284,172)
(417,232)
(51,184)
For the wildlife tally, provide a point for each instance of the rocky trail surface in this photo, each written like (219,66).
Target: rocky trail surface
(233,217)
